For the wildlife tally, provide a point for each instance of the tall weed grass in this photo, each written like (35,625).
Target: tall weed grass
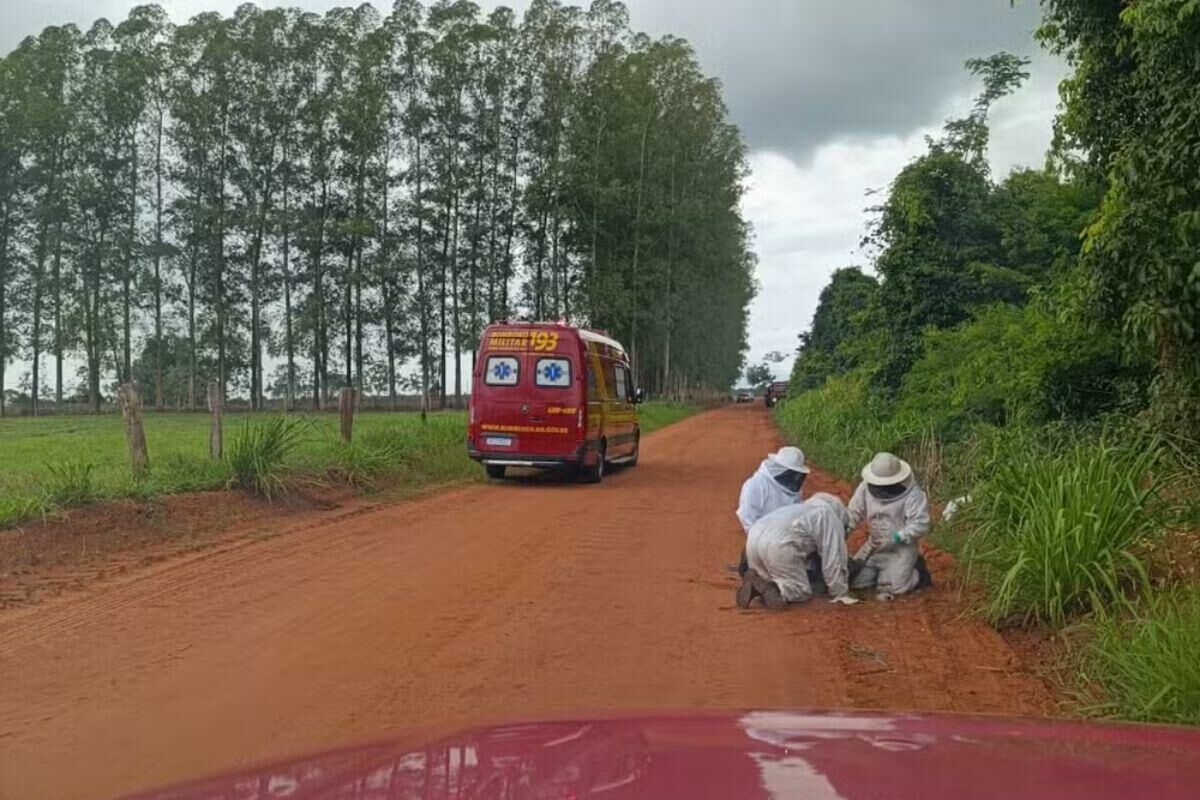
(259,454)
(1055,532)
(1145,665)
(70,484)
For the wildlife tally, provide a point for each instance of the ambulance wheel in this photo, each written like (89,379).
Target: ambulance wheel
(595,473)
(637,449)
(495,471)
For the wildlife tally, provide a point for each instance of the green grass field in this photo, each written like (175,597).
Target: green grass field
(50,463)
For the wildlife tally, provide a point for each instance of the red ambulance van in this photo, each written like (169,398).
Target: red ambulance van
(550,395)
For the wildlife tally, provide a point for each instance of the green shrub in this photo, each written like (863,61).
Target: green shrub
(1057,531)
(259,453)
(1146,665)
(71,483)
(1012,364)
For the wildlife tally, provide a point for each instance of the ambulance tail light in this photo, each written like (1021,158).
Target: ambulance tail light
(579,432)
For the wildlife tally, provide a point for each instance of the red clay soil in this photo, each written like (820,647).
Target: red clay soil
(514,600)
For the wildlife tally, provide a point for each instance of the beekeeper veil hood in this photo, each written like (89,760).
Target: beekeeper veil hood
(787,468)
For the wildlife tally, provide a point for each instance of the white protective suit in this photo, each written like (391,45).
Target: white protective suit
(892,568)
(779,544)
(762,494)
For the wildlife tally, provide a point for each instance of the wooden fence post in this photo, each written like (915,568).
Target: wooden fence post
(131,413)
(216,405)
(346,409)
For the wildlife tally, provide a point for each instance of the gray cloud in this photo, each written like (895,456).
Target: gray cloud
(801,72)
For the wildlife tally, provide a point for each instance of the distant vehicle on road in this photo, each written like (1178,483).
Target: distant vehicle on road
(775,392)
(753,755)
(745,397)
(550,395)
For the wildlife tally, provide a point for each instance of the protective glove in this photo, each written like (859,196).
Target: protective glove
(845,600)
(897,538)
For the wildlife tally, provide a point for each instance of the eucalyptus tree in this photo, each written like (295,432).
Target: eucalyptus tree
(103,168)
(362,113)
(202,112)
(552,33)
(11,155)
(260,121)
(48,65)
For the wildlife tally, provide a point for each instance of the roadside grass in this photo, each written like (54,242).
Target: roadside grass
(1144,664)
(51,463)
(657,415)
(1054,533)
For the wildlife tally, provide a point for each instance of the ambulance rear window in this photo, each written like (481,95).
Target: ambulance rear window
(502,371)
(555,372)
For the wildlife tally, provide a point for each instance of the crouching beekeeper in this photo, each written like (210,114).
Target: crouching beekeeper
(776,483)
(779,546)
(897,515)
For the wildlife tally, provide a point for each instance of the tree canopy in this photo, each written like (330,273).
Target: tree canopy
(286,203)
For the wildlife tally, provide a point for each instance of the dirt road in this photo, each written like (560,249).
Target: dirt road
(492,602)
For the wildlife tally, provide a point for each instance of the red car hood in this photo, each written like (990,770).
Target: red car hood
(760,754)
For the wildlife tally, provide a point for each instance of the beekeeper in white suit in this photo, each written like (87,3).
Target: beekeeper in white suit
(776,483)
(778,548)
(897,515)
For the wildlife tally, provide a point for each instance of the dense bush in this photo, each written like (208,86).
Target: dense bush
(1013,364)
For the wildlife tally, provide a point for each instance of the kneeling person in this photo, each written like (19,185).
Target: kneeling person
(778,548)
(897,515)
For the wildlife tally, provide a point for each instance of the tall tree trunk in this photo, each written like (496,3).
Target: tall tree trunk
(193,269)
(456,310)
(443,322)
(260,234)
(218,244)
(5,235)
(320,332)
(637,246)
(385,266)
(127,277)
(56,288)
(95,344)
(359,214)
(289,341)
(421,300)
(493,205)
(512,218)
(348,316)
(358,324)
(35,328)
(158,247)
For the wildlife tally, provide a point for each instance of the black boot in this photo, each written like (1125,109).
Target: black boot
(924,579)
(746,593)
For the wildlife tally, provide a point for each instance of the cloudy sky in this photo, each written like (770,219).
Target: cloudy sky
(833,99)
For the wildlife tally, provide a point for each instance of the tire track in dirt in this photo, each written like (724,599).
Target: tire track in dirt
(518,600)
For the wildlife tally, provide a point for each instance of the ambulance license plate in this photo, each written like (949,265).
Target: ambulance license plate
(498,441)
